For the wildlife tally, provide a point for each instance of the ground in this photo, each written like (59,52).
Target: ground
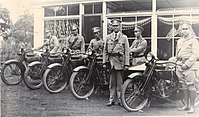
(19,101)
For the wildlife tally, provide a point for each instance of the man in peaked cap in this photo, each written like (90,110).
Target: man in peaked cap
(75,41)
(96,44)
(116,52)
(138,47)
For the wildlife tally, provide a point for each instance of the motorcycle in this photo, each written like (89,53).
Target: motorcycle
(159,81)
(84,79)
(34,73)
(56,77)
(12,72)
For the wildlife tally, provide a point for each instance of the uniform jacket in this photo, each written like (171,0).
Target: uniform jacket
(187,51)
(139,47)
(78,46)
(96,45)
(121,51)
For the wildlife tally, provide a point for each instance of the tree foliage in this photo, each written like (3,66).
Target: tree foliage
(22,30)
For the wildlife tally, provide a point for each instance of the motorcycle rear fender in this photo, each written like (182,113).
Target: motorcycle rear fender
(54,64)
(35,63)
(80,68)
(133,75)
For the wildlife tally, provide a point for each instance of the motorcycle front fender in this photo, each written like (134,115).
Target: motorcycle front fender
(54,64)
(21,65)
(35,63)
(79,68)
(133,75)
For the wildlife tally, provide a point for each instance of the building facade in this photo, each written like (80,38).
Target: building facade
(159,18)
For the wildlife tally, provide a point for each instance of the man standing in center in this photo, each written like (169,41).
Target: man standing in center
(116,51)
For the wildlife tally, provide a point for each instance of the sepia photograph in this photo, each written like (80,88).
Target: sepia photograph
(63,58)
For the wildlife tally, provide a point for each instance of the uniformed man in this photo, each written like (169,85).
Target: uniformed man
(138,47)
(116,51)
(96,44)
(75,41)
(187,54)
(51,43)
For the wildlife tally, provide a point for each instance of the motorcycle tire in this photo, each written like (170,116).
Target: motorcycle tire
(32,77)
(11,74)
(55,80)
(131,97)
(81,88)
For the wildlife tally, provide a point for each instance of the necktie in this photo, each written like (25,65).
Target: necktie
(115,36)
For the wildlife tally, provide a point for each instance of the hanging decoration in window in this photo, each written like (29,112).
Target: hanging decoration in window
(177,20)
(131,25)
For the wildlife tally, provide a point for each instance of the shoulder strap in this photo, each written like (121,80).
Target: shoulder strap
(72,44)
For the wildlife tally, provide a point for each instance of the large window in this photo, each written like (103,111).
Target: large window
(168,33)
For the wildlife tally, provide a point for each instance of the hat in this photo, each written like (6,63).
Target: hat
(138,28)
(74,27)
(96,29)
(115,22)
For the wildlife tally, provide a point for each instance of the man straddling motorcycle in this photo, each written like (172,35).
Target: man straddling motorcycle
(116,51)
(187,54)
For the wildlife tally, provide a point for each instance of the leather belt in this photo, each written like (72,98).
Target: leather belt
(138,56)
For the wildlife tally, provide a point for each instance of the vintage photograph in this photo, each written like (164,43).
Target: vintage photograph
(63,58)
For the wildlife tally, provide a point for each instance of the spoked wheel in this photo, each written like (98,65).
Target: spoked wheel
(11,74)
(32,77)
(133,98)
(81,86)
(55,80)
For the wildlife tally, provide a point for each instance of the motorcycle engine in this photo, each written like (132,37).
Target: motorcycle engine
(163,87)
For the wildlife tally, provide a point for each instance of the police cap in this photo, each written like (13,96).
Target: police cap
(138,28)
(115,22)
(96,29)
(74,27)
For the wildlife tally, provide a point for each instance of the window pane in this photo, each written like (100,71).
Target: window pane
(128,6)
(164,49)
(61,11)
(98,8)
(163,28)
(88,9)
(146,25)
(49,11)
(128,30)
(73,10)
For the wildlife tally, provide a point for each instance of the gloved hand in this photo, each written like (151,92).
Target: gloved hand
(126,68)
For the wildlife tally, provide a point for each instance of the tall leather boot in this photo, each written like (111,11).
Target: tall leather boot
(186,99)
(192,96)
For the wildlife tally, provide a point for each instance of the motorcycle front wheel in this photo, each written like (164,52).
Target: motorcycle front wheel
(133,98)
(55,80)
(32,77)
(11,73)
(81,86)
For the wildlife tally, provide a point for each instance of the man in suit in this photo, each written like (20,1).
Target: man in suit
(138,47)
(116,51)
(187,55)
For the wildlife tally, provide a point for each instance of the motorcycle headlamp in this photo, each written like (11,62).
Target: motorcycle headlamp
(65,50)
(89,52)
(149,56)
(45,49)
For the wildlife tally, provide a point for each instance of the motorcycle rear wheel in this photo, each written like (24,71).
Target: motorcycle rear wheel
(80,86)
(11,74)
(133,99)
(55,80)
(32,77)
